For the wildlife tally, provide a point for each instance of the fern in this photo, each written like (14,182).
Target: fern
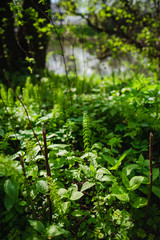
(10,98)
(4,143)
(37,96)
(30,150)
(28,92)
(3,94)
(86,132)
(55,198)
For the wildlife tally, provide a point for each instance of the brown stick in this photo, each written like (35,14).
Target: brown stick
(150,174)
(48,172)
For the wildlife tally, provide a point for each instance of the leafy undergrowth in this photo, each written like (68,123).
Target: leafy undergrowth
(98,160)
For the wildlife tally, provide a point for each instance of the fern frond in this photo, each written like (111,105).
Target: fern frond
(86,132)
(55,198)
(10,98)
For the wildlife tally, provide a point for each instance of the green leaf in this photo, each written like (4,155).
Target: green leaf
(107,178)
(87,185)
(156,191)
(65,206)
(92,168)
(155,173)
(8,202)
(103,171)
(86,170)
(120,193)
(55,230)
(120,160)
(75,195)
(135,182)
(140,160)
(109,159)
(42,186)
(22,203)
(62,192)
(125,179)
(130,168)
(11,188)
(37,225)
(140,202)
(77,213)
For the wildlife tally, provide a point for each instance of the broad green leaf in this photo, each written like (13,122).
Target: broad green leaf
(92,168)
(8,202)
(107,178)
(77,213)
(62,192)
(109,159)
(143,189)
(65,206)
(89,154)
(22,203)
(42,186)
(115,167)
(87,185)
(55,230)
(140,202)
(140,160)
(11,188)
(76,195)
(57,146)
(125,179)
(120,193)
(130,168)
(155,173)
(146,163)
(57,162)
(103,171)
(86,170)
(135,182)
(156,191)
(37,225)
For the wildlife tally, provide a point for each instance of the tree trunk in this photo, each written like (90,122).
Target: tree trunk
(8,45)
